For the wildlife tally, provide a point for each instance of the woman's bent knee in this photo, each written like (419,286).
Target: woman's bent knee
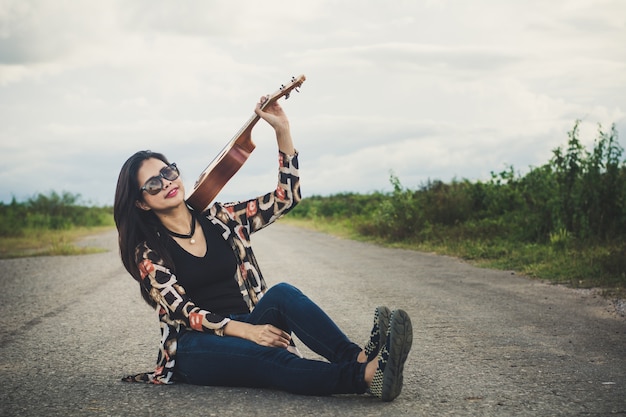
(283,289)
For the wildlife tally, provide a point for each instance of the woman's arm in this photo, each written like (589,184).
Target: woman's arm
(276,117)
(264,334)
(260,212)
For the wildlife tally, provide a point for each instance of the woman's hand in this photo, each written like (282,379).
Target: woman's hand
(276,117)
(268,335)
(272,114)
(261,334)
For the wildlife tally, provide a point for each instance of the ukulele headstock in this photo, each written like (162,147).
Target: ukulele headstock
(285,90)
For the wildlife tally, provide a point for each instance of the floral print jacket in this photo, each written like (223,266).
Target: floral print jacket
(176,310)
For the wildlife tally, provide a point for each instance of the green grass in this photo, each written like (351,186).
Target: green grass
(590,266)
(38,242)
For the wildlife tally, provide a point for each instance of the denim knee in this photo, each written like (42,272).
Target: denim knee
(285,289)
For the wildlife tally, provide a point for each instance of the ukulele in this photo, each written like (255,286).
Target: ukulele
(233,155)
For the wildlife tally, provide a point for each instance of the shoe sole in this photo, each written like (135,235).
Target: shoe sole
(401,339)
(384,319)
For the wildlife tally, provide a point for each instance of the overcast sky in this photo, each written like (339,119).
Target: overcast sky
(429,89)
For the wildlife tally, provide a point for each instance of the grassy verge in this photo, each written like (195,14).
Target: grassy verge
(588,267)
(38,242)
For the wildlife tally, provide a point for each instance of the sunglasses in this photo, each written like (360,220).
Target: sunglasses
(154,185)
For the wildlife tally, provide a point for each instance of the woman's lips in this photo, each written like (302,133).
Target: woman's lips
(172,193)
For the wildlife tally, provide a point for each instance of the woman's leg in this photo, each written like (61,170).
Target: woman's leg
(207,359)
(287,308)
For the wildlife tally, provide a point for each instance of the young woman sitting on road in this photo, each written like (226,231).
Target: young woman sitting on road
(220,323)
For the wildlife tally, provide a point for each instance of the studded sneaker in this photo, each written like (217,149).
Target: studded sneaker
(378,336)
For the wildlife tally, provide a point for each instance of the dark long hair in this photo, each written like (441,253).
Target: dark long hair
(135,225)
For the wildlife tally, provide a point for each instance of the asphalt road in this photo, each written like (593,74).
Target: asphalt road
(486,343)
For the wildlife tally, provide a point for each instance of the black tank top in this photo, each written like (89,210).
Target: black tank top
(210,281)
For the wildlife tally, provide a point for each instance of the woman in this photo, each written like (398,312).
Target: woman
(220,324)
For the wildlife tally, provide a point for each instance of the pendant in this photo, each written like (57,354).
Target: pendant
(192,241)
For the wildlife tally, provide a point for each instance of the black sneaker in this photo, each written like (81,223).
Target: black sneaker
(378,336)
(387,381)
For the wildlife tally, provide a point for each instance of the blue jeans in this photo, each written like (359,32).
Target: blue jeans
(207,359)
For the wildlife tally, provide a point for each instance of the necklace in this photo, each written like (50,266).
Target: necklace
(187,236)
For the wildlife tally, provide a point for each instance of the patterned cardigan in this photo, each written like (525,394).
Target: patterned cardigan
(176,310)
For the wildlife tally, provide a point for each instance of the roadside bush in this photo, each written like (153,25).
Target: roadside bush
(344,205)
(569,212)
(590,187)
(50,212)
(399,215)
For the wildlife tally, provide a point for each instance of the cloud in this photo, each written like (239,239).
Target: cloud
(432,89)
(410,57)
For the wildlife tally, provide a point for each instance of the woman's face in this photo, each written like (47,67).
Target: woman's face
(172,192)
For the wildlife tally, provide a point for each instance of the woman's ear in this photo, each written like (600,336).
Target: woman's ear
(142,205)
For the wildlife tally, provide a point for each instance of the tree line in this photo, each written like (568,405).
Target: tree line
(574,201)
(51,211)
